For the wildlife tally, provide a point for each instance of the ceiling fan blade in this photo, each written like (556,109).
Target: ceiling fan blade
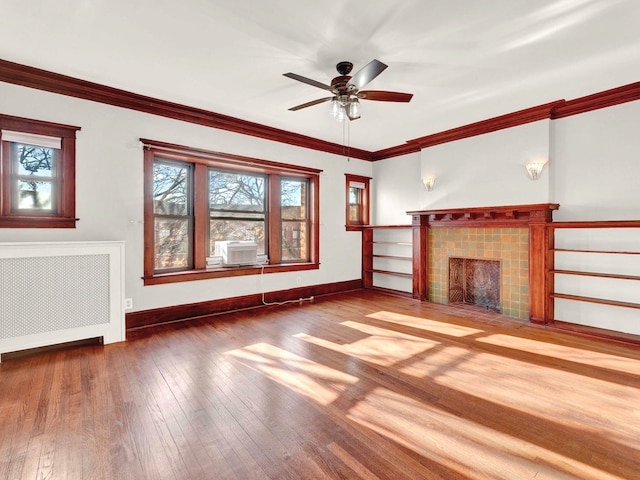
(311,103)
(367,73)
(308,81)
(383,96)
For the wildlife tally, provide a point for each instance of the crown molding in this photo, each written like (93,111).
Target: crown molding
(552,110)
(596,101)
(39,79)
(482,127)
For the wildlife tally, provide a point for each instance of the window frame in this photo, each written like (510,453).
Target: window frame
(202,161)
(64,186)
(364,209)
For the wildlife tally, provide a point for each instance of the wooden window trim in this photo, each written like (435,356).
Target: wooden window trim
(364,205)
(202,160)
(65,214)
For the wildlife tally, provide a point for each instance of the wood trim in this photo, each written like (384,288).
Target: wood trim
(598,224)
(39,79)
(223,272)
(398,150)
(593,332)
(508,120)
(212,158)
(596,101)
(175,313)
(552,110)
(498,216)
(601,301)
(367,257)
(420,255)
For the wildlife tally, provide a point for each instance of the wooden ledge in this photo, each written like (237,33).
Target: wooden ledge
(508,215)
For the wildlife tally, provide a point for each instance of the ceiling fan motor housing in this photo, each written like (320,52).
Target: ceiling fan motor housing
(344,68)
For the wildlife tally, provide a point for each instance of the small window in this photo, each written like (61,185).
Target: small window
(357,196)
(37,183)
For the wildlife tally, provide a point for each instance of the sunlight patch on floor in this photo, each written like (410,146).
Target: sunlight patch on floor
(572,354)
(381,347)
(425,324)
(311,379)
(471,449)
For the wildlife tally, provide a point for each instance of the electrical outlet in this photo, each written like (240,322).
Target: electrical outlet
(298,280)
(128,303)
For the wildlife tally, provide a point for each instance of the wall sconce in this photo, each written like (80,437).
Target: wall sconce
(428,182)
(534,167)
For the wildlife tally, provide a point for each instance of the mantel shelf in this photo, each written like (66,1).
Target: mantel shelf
(516,215)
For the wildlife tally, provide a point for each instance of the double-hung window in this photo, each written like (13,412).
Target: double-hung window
(195,198)
(37,174)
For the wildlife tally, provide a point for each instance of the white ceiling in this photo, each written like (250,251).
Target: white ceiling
(464,60)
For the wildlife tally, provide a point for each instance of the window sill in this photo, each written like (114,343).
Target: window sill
(223,272)
(29,221)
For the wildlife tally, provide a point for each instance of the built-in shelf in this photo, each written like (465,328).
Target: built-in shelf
(392,243)
(594,251)
(394,257)
(597,274)
(387,272)
(602,301)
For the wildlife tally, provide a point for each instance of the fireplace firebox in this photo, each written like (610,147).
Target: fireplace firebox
(475,281)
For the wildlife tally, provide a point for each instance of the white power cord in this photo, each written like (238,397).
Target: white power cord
(300,300)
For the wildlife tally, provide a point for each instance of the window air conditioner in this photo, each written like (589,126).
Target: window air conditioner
(234,252)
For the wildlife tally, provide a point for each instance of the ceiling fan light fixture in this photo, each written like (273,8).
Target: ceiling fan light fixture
(337,109)
(353,108)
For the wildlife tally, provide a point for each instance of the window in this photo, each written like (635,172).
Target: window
(37,174)
(357,196)
(195,198)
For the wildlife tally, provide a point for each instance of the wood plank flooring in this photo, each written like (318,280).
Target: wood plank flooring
(360,385)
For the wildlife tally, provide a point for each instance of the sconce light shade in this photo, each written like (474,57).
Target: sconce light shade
(428,182)
(534,167)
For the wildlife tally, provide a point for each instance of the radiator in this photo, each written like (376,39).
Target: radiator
(57,292)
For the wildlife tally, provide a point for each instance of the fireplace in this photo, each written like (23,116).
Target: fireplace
(475,281)
(515,236)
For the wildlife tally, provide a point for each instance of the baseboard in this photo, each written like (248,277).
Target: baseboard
(157,316)
(592,332)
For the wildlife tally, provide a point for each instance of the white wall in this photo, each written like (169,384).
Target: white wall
(596,164)
(109,193)
(487,170)
(593,173)
(395,189)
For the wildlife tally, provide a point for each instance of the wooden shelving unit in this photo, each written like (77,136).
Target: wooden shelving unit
(387,257)
(590,258)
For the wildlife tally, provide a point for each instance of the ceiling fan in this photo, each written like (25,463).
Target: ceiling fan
(346,90)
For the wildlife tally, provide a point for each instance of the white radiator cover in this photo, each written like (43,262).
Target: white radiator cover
(59,292)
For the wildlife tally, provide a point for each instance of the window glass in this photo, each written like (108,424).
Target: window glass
(173,220)
(237,208)
(294,217)
(355,205)
(34,171)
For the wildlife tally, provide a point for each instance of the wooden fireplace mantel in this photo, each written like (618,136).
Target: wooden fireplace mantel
(507,216)
(535,217)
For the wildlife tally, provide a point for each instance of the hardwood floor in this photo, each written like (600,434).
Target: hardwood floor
(353,386)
